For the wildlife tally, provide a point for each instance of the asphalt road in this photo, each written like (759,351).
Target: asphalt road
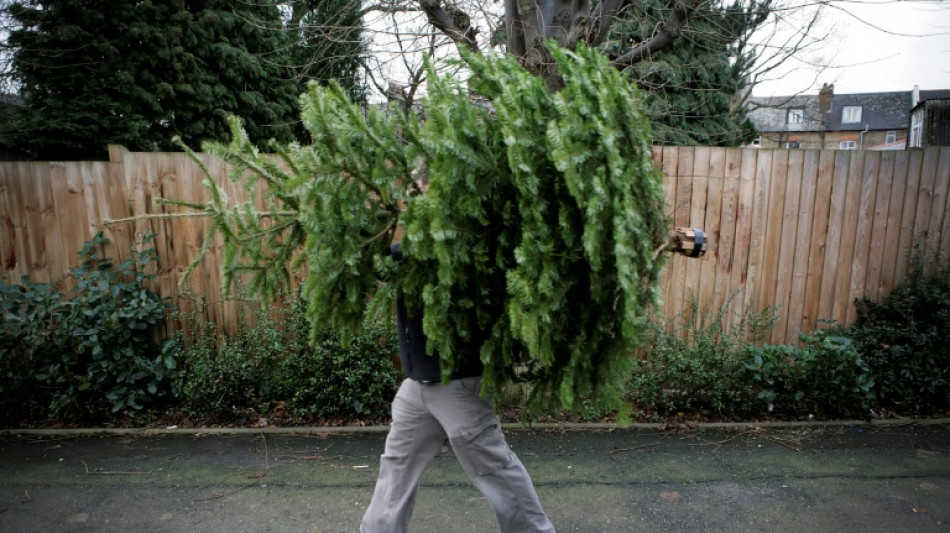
(817,478)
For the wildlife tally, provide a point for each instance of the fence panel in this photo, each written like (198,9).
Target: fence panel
(806,231)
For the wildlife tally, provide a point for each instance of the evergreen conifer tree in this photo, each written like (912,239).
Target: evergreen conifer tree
(693,88)
(139,73)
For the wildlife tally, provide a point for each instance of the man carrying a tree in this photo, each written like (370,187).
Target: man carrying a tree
(426,412)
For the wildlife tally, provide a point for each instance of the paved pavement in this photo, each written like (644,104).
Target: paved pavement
(811,478)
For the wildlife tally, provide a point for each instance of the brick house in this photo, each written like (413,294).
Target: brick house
(860,121)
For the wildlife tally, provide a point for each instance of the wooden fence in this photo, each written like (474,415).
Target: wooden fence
(806,232)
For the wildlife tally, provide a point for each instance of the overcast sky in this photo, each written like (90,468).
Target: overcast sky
(898,45)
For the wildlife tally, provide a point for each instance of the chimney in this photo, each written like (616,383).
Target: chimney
(824,98)
(915,98)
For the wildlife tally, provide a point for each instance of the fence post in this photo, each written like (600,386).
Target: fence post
(117,153)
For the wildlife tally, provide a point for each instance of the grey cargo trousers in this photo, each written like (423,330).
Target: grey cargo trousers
(423,416)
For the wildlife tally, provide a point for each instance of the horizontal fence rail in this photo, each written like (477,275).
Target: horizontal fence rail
(800,231)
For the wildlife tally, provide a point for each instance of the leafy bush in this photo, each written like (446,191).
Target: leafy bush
(273,364)
(696,364)
(825,375)
(359,380)
(86,352)
(903,339)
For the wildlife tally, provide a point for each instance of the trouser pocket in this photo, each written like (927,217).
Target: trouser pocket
(482,451)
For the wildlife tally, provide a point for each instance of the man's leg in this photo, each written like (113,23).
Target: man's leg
(415,438)
(475,434)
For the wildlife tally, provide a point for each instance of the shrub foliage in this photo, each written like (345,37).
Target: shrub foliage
(87,351)
(696,364)
(902,339)
(272,367)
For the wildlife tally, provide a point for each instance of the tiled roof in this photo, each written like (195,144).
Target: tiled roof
(879,111)
(934,95)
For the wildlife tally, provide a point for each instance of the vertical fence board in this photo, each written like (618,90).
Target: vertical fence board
(70,204)
(744,231)
(892,251)
(726,242)
(772,245)
(118,199)
(786,239)
(760,219)
(697,215)
(37,203)
(92,178)
(16,265)
(864,231)
(803,258)
(229,298)
(684,195)
(709,264)
(23,195)
(178,183)
(55,196)
(943,177)
(836,214)
(9,229)
(842,300)
(818,245)
(666,159)
(879,224)
(933,190)
(906,245)
(167,178)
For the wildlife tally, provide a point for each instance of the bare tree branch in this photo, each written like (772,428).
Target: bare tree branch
(666,33)
(603,17)
(452,21)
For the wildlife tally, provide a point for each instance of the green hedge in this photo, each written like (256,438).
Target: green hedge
(88,352)
(273,367)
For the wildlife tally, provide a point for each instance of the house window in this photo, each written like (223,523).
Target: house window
(851,114)
(916,129)
(796,116)
(794,145)
(891,137)
(757,141)
(848,145)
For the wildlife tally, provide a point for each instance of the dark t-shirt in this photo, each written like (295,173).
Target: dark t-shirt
(417,363)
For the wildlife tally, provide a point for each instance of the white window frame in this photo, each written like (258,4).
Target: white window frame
(795,116)
(757,141)
(851,114)
(848,145)
(890,137)
(915,139)
(793,145)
